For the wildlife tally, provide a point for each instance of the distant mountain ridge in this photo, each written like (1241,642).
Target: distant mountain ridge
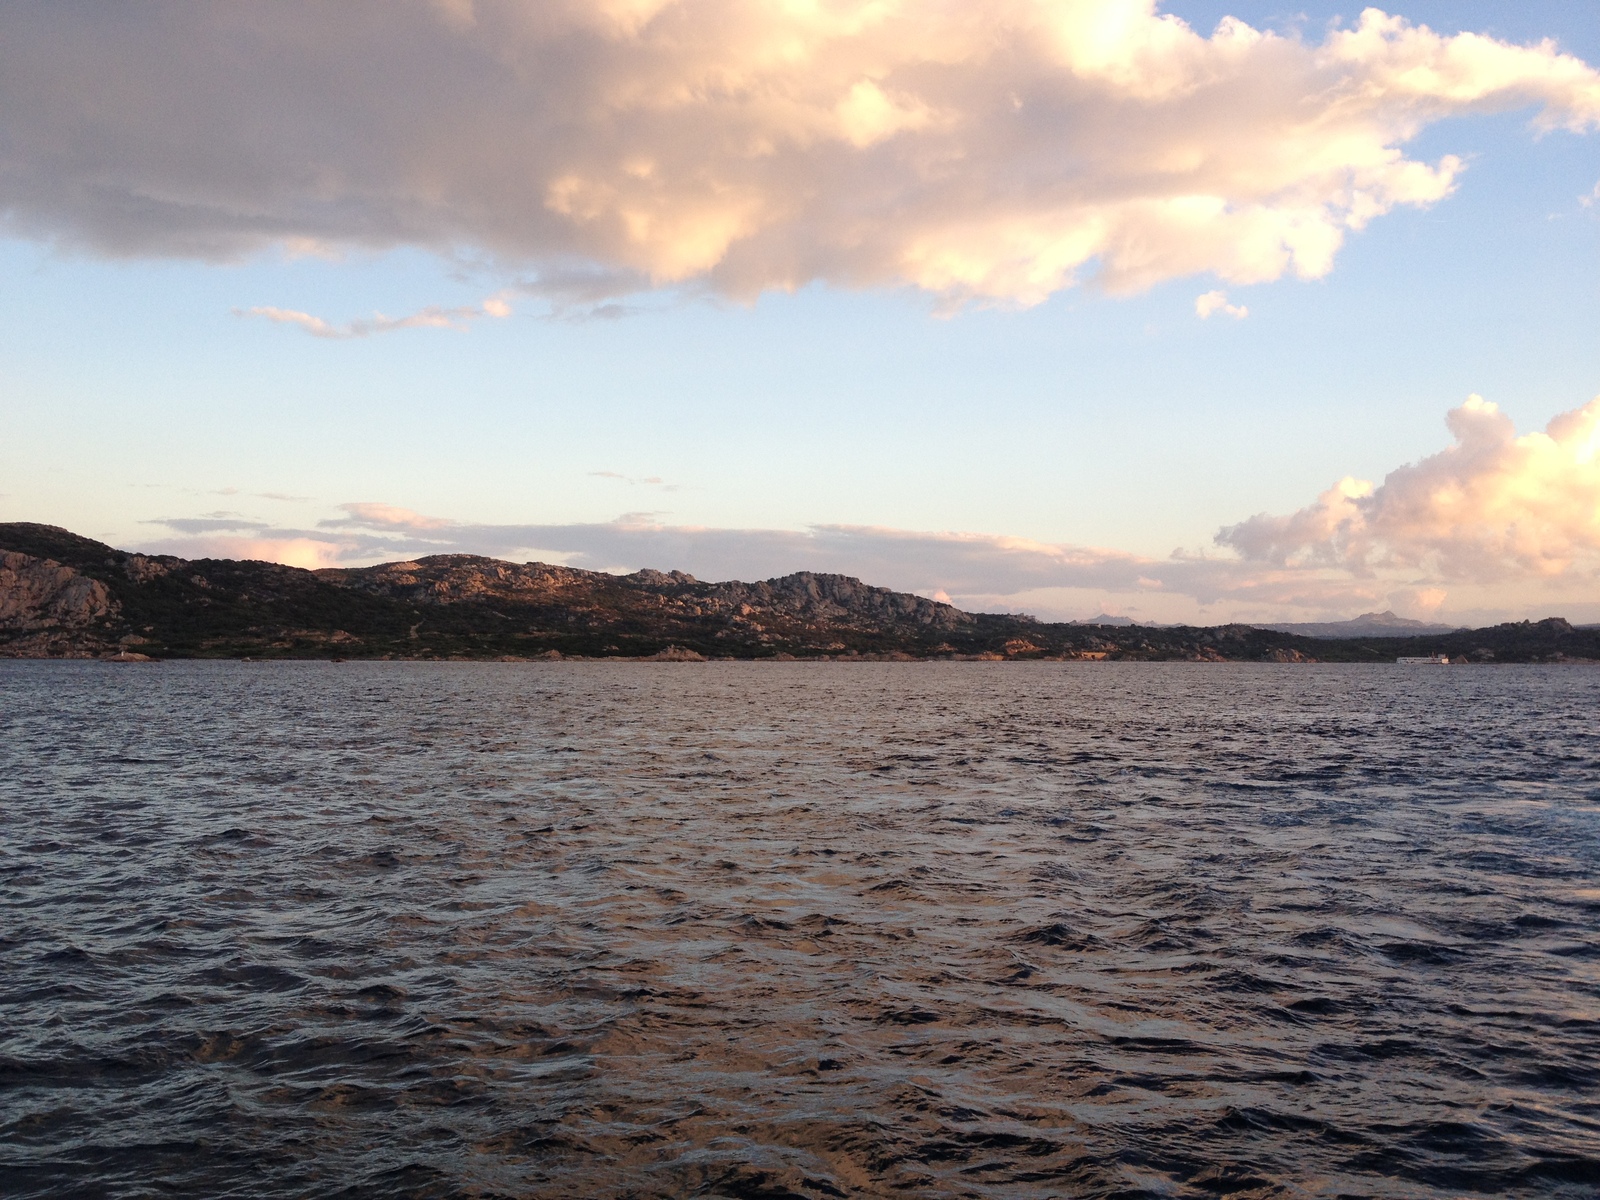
(1372,624)
(67,596)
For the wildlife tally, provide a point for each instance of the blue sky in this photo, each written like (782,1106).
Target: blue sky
(133,392)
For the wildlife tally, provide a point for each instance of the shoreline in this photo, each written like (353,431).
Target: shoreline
(774,660)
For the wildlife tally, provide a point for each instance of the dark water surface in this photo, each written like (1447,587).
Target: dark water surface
(740,930)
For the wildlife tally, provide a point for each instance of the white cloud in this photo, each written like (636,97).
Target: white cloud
(998,150)
(432,317)
(1215,302)
(1492,508)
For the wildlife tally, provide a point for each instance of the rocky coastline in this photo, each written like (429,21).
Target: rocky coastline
(66,596)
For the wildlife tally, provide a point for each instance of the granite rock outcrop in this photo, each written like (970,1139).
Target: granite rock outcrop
(37,593)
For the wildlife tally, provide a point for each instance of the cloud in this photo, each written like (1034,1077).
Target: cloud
(651,480)
(1491,508)
(1215,302)
(309,552)
(368,515)
(212,523)
(432,317)
(994,151)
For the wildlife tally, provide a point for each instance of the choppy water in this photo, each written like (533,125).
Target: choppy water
(620,930)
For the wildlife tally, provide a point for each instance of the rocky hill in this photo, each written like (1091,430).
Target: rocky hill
(1367,625)
(62,595)
(66,596)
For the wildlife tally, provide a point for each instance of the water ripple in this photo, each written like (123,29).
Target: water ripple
(806,930)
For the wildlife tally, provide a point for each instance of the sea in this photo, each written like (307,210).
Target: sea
(767,931)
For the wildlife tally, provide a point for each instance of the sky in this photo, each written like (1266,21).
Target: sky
(1187,311)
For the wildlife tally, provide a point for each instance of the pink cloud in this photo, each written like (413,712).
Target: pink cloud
(1493,506)
(432,317)
(381,516)
(308,552)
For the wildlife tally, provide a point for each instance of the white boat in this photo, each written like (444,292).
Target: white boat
(1430,660)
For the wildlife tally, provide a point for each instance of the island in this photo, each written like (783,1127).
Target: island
(67,596)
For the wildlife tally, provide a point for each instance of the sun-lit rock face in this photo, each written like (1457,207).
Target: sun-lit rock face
(454,578)
(38,593)
(142,568)
(836,598)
